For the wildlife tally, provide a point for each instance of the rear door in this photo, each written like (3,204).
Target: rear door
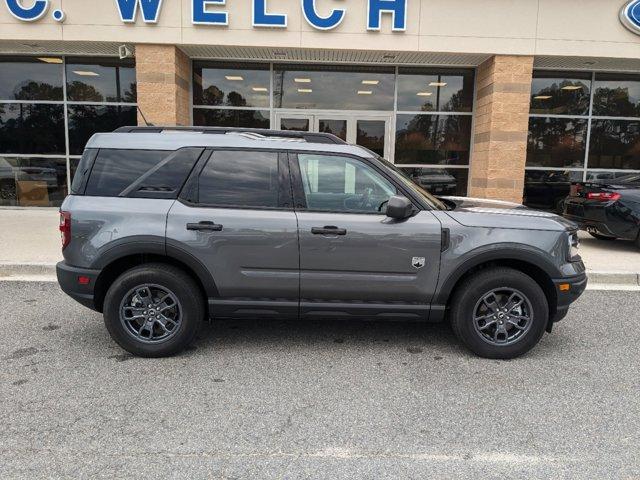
(355,260)
(237,219)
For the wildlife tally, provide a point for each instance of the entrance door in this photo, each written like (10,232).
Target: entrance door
(372,131)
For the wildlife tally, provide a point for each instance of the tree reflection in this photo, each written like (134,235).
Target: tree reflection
(556,142)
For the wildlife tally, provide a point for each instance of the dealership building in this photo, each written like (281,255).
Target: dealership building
(505,99)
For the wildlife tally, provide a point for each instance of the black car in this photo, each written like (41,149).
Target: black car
(608,209)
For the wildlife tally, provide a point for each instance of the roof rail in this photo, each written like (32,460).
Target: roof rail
(309,137)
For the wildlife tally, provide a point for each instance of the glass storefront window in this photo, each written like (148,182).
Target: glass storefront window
(433,139)
(440,181)
(333,88)
(435,90)
(85,120)
(32,182)
(31,78)
(558,93)
(603,176)
(547,189)
(337,128)
(231,85)
(230,118)
(615,144)
(617,95)
(556,142)
(31,128)
(100,81)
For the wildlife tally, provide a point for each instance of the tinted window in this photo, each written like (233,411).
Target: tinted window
(339,88)
(231,85)
(80,170)
(615,144)
(31,78)
(32,128)
(141,173)
(240,178)
(231,118)
(100,81)
(433,139)
(617,95)
(435,90)
(342,184)
(560,93)
(32,182)
(556,142)
(85,120)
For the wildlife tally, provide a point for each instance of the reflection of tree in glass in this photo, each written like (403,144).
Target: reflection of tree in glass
(554,142)
(562,101)
(38,91)
(615,144)
(235,99)
(212,96)
(131,94)
(28,128)
(81,92)
(615,102)
(435,139)
(86,120)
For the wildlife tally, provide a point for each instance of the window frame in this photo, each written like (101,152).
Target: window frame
(190,194)
(299,195)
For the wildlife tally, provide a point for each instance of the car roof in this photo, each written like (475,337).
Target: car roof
(173,140)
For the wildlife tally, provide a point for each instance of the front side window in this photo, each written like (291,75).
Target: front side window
(243,179)
(343,184)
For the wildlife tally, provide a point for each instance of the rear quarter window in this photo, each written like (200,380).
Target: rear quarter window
(141,173)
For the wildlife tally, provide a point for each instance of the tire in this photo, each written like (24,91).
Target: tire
(468,309)
(180,314)
(599,236)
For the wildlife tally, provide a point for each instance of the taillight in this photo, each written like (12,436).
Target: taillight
(604,196)
(65,228)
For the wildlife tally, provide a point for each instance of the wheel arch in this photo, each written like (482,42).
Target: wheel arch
(119,260)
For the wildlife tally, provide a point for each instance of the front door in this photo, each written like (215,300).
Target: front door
(240,224)
(354,260)
(369,130)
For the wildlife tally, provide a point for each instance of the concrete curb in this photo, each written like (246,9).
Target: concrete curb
(47,272)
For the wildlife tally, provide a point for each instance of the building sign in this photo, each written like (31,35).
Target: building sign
(214,12)
(630,16)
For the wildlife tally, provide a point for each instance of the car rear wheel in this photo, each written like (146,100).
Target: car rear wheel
(153,310)
(599,236)
(499,313)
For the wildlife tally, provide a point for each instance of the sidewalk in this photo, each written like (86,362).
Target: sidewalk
(30,248)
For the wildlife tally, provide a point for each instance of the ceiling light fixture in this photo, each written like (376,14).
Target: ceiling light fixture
(571,87)
(302,80)
(424,94)
(364,92)
(305,90)
(542,97)
(50,59)
(86,73)
(234,78)
(438,84)
(260,89)
(370,82)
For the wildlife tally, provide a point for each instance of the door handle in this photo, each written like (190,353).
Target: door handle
(328,230)
(204,227)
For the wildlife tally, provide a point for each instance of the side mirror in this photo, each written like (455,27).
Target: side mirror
(399,207)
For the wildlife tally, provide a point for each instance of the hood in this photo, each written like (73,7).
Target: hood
(480,212)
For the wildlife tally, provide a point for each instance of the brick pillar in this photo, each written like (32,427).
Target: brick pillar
(503,89)
(163,73)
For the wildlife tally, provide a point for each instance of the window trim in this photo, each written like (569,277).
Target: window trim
(190,195)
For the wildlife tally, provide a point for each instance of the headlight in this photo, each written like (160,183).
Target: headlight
(573,254)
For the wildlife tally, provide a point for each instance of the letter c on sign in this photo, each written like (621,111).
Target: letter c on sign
(31,14)
(316,21)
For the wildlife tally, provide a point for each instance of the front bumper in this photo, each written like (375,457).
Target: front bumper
(69,280)
(568,290)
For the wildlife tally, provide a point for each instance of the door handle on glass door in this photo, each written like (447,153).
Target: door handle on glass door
(204,227)
(328,230)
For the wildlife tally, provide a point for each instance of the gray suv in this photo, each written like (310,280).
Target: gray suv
(166,227)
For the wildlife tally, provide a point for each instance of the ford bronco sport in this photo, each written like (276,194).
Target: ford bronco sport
(165,227)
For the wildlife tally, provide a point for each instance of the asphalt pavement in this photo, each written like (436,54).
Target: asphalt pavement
(284,399)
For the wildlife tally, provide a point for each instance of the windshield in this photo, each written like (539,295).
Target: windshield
(429,199)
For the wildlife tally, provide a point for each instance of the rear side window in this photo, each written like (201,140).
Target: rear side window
(141,173)
(82,172)
(241,179)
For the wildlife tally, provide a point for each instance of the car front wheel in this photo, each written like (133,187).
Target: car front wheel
(499,313)
(153,310)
